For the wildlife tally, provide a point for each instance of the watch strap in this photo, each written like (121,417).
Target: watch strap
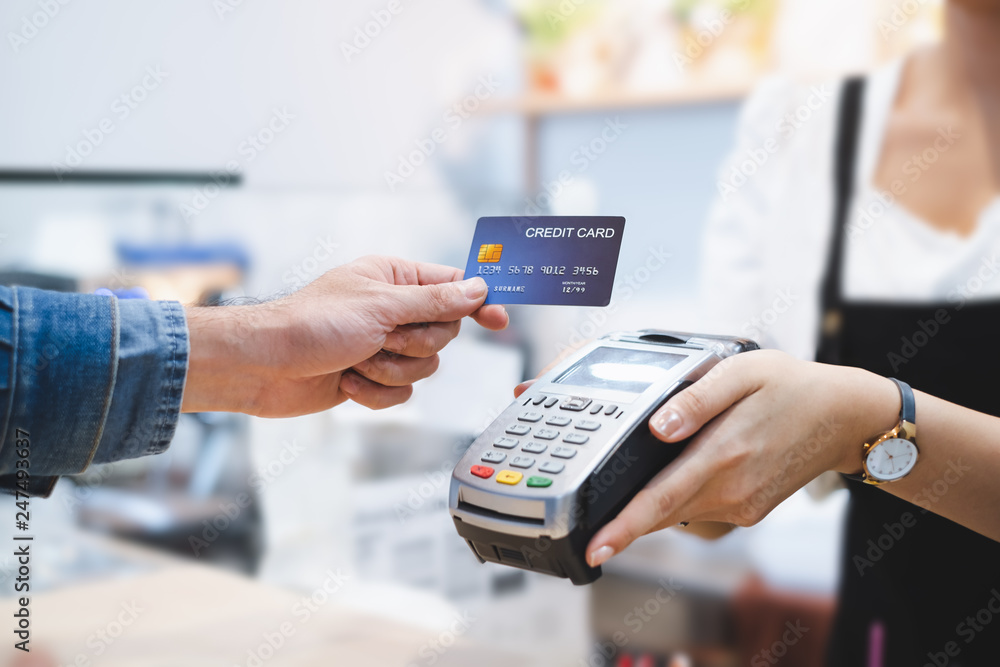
(908,413)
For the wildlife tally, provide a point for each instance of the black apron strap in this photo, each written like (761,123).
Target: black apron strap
(846,153)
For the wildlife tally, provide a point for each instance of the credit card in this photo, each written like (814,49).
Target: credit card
(554,260)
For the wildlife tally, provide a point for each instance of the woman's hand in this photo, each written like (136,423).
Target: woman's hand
(763,424)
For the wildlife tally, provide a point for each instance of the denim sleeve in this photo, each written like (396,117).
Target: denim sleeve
(85,379)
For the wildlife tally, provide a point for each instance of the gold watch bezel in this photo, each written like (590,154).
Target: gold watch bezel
(904,431)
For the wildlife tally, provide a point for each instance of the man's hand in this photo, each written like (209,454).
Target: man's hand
(365,331)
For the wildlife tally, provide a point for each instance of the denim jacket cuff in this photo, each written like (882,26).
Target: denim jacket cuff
(88,378)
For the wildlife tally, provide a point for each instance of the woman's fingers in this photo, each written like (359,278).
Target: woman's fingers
(674,495)
(688,411)
(523,387)
(658,505)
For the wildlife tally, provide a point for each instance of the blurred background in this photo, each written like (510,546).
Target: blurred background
(207,151)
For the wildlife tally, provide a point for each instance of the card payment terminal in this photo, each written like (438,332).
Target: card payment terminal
(567,456)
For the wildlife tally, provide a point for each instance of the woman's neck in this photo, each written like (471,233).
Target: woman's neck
(969,54)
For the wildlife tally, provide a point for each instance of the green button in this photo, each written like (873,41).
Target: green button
(539,482)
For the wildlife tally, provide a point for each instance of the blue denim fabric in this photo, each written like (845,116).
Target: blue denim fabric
(89,378)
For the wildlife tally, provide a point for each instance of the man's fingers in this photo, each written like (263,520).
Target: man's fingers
(421,340)
(393,370)
(440,296)
(493,317)
(656,505)
(399,271)
(707,398)
(445,302)
(373,395)
(432,274)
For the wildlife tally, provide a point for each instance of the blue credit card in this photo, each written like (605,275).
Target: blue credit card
(556,261)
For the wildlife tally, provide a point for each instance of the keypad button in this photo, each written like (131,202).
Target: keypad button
(505,443)
(550,402)
(539,482)
(611,409)
(597,407)
(539,400)
(552,467)
(563,453)
(558,420)
(530,417)
(588,425)
(546,434)
(518,429)
(522,462)
(576,439)
(482,471)
(534,448)
(494,456)
(575,403)
(509,477)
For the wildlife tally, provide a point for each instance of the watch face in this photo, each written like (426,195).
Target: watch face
(891,459)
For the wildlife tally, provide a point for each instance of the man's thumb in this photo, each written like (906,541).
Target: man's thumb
(445,302)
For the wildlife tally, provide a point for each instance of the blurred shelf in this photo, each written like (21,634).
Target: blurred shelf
(536,106)
(546,104)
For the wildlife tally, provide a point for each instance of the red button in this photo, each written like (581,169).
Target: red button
(482,471)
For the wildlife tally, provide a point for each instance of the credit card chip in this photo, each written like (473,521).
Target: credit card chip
(489,253)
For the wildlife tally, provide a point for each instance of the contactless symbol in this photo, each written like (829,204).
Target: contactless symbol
(489,253)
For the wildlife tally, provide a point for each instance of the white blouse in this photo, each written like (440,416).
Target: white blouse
(768,235)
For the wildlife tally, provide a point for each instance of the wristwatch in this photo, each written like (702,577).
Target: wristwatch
(892,455)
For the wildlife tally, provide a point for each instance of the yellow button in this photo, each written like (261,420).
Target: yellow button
(509,477)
